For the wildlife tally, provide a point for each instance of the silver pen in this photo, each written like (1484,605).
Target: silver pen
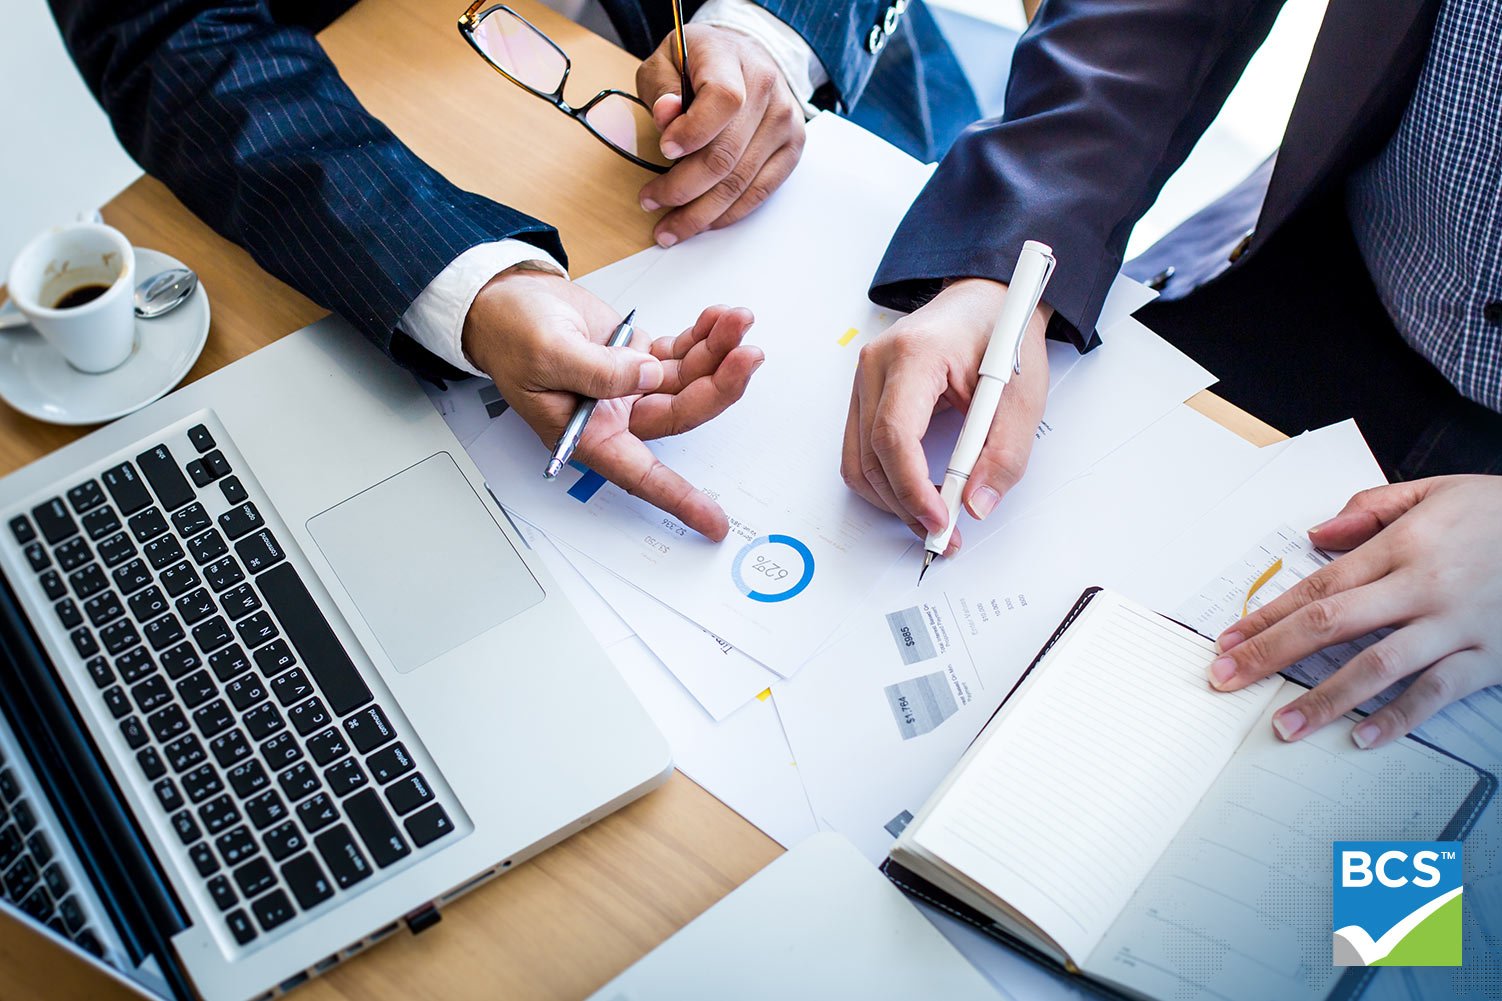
(574,429)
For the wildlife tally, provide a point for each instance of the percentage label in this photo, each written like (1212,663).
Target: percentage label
(773,568)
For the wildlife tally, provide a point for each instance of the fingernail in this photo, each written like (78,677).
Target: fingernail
(666,239)
(1221,672)
(933,525)
(672,150)
(650,376)
(1321,526)
(983,502)
(1228,639)
(1365,735)
(1289,723)
(648,205)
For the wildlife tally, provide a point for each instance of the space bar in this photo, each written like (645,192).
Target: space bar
(322,653)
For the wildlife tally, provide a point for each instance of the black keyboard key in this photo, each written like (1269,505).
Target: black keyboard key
(266,809)
(346,862)
(162,552)
(168,724)
(372,821)
(191,520)
(236,846)
(134,664)
(11,846)
(20,527)
(180,660)
(214,718)
(132,577)
(134,733)
(234,491)
(248,778)
(217,464)
(228,663)
(224,573)
(103,608)
(218,813)
(284,839)
(89,942)
(309,715)
(213,634)
(389,763)
(199,473)
(186,827)
(317,813)
(273,910)
(345,777)
(196,689)
(245,691)
(54,521)
(184,753)
(410,793)
(116,549)
(24,818)
(204,860)
(327,746)
(68,613)
(200,438)
(163,632)
(256,629)
(369,729)
(56,881)
(202,782)
(240,926)
(99,671)
(152,765)
(36,555)
(274,658)
(320,649)
(255,877)
(72,554)
(195,606)
(229,748)
(298,781)
(262,721)
(116,702)
(148,604)
(39,904)
(151,694)
(86,496)
(101,522)
(40,848)
(147,525)
(72,915)
(240,601)
(52,585)
(291,687)
(307,882)
(222,893)
(118,637)
(166,478)
(126,488)
(281,750)
(179,579)
(20,878)
(84,642)
(260,551)
(207,547)
(241,520)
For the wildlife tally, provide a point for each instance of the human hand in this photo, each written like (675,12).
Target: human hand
(1425,558)
(740,138)
(541,338)
(925,362)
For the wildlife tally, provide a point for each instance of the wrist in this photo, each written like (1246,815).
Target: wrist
(496,302)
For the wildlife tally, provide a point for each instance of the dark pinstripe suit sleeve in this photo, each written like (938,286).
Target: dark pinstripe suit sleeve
(837,32)
(247,121)
(1106,99)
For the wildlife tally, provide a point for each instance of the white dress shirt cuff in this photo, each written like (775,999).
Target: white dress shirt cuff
(800,67)
(435,319)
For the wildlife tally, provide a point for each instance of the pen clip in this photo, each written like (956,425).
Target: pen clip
(1031,309)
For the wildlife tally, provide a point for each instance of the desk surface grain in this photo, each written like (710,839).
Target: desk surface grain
(564,923)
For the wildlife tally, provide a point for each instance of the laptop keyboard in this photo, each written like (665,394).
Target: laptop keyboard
(283,778)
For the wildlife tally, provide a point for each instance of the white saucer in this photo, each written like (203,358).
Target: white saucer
(35,379)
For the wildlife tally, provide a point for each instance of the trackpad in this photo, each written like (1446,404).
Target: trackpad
(424,561)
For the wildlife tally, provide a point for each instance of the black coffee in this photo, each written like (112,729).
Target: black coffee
(80,295)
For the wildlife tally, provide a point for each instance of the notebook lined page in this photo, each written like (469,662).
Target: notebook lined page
(1097,762)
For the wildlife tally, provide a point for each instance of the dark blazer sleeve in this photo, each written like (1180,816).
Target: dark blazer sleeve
(839,33)
(247,121)
(1106,99)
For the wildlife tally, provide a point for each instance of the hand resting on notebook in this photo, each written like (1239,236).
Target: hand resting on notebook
(1425,557)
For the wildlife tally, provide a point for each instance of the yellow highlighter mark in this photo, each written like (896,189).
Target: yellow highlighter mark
(1267,575)
(848,336)
(764,694)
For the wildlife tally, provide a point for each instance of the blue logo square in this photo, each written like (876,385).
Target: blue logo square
(1397,903)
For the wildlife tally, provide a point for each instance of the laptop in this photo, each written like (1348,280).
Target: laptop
(279,679)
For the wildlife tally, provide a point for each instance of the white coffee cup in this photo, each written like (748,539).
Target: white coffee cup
(98,334)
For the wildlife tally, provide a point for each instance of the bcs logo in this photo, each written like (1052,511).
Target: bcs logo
(1397,903)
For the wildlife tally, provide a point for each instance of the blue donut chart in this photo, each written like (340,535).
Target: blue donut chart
(786,540)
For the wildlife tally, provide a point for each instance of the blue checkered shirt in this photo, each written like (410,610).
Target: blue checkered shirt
(1427,210)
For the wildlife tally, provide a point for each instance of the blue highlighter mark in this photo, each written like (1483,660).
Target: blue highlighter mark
(587,485)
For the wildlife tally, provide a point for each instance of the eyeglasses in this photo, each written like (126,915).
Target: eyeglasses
(520,52)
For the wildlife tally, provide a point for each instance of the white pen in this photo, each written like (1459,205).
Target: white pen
(1003,357)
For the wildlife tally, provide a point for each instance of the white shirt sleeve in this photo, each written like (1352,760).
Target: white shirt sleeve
(435,319)
(800,67)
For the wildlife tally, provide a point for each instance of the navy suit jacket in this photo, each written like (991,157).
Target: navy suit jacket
(1105,100)
(236,108)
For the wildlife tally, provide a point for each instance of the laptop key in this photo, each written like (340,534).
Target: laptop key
(281,751)
(20,527)
(39,904)
(410,793)
(213,634)
(163,632)
(369,729)
(248,778)
(240,601)
(273,910)
(86,496)
(103,608)
(99,523)
(204,860)
(262,721)
(89,942)
(54,521)
(180,660)
(199,473)
(55,881)
(240,927)
(168,724)
(328,745)
(68,613)
(236,846)
(36,555)
(317,813)
(99,670)
(184,753)
(389,763)
(266,809)
(24,818)
(191,520)
(116,702)
(217,464)
(223,573)
(305,878)
(116,549)
(40,848)
(337,677)
(218,813)
(234,491)
(196,688)
(260,551)
(20,878)
(298,781)
(229,748)
(345,777)
(186,827)
(274,658)
(168,794)
(195,606)
(11,846)
(346,862)
(207,547)
(291,687)
(284,839)
(201,783)
(134,664)
(52,585)
(213,719)
(162,552)
(309,715)
(222,893)
(228,663)
(119,636)
(255,877)
(134,733)
(84,642)
(166,478)
(256,629)
(125,488)
(245,691)
(151,763)
(241,520)
(372,821)
(72,554)
(179,579)
(132,577)
(72,914)
(147,525)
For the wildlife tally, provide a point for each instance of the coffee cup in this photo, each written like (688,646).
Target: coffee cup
(75,284)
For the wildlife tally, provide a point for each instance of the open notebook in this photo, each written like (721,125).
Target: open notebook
(1119,818)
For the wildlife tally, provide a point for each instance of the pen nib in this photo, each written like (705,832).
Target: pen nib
(928,559)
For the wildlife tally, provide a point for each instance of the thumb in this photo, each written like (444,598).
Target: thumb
(605,372)
(665,109)
(657,77)
(1003,460)
(1368,513)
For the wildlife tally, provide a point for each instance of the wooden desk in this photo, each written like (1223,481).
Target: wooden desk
(564,923)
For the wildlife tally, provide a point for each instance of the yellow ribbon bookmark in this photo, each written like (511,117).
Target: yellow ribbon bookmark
(1267,575)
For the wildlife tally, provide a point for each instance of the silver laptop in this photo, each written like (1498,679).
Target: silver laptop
(279,679)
